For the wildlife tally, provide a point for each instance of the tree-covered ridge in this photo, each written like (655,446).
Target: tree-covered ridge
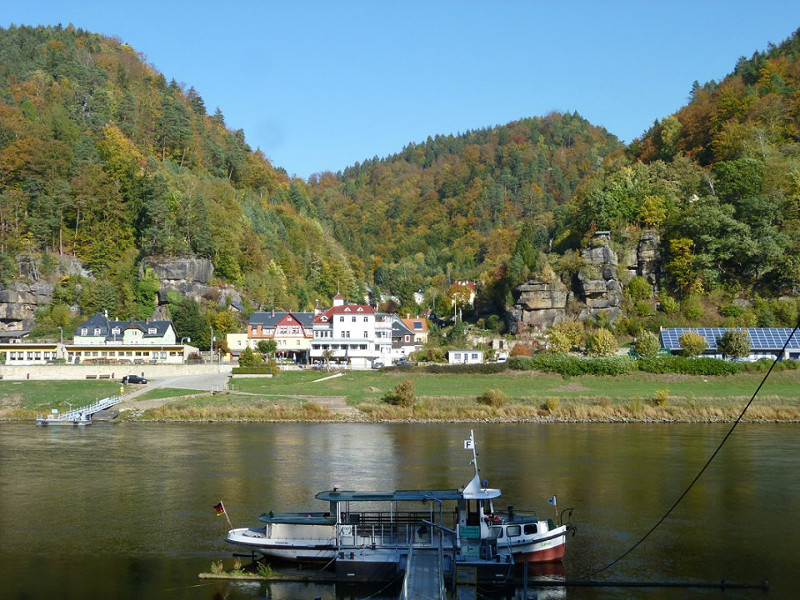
(103,159)
(453,206)
(719,179)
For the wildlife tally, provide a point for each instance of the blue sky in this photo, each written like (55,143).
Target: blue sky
(318,86)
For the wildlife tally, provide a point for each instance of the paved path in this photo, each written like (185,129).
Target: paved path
(207,382)
(210,382)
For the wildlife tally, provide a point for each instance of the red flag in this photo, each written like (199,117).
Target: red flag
(220,508)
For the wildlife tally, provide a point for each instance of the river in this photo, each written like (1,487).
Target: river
(125,510)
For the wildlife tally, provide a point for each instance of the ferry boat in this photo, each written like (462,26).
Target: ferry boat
(368,535)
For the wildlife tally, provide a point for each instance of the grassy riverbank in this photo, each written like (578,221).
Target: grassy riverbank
(515,395)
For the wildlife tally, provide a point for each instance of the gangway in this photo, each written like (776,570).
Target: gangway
(424,578)
(79,416)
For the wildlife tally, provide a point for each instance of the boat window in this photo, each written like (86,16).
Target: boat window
(513,530)
(499,531)
(530,528)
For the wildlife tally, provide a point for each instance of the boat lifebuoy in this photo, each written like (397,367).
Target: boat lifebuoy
(492,518)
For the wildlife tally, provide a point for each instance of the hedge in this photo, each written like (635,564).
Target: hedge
(571,366)
(484,368)
(703,365)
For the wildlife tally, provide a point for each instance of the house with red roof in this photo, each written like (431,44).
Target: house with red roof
(352,335)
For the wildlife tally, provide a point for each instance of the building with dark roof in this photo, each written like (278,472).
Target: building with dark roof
(765,342)
(292,332)
(100,330)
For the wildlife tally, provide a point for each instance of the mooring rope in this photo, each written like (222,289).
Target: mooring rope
(705,466)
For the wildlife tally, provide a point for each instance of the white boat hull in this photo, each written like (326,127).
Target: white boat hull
(295,549)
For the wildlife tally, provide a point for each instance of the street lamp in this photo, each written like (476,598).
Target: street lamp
(68,404)
(61,329)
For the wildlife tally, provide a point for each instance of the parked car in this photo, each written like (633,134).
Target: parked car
(377,365)
(133,379)
(402,363)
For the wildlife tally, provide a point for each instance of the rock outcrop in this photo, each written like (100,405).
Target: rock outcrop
(19,301)
(649,258)
(197,270)
(597,289)
(538,304)
(599,285)
(187,276)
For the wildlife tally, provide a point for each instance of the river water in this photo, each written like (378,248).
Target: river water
(125,510)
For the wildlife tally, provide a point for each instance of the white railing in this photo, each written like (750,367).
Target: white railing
(84,413)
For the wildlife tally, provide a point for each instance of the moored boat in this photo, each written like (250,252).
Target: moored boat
(369,535)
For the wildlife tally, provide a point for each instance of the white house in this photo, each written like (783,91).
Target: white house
(464,357)
(348,333)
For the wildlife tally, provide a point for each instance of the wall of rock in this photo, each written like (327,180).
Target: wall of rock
(190,277)
(597,289)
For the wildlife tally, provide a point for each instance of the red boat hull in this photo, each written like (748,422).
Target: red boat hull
(552,554)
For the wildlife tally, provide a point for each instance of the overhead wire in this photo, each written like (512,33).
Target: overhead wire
(705,466)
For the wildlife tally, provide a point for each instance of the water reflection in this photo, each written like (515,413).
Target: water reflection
(125,511)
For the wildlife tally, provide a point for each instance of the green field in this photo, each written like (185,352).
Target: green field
(44,395)
(527,395)
(369,386)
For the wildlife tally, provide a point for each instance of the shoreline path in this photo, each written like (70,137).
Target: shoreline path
(209,382)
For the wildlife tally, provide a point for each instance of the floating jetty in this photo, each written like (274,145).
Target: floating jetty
(79,416)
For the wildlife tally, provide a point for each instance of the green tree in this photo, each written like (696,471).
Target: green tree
(267,347)
(248,358)
(145,291)
(734,344)
(188,320)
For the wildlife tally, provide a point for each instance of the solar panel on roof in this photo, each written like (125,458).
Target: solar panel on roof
(761,338)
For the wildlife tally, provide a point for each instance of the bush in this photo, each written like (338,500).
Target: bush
(550,405)
(692,343)
(647,345)
(402,395)
(601,342)
(521,349)
(639,289)
(574,330)
(558,342)
(662,397)
(669,305)
(495,398)
(434,355)
(692,308)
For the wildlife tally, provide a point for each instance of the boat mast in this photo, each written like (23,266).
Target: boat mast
(470,445)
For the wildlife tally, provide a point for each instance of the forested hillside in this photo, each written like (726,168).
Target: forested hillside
(452,207)
(738,227)
(719,181)
(103,159)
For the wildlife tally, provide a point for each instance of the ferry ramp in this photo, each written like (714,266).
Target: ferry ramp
(424,578)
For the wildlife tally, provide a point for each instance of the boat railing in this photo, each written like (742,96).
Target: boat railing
(383,517)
